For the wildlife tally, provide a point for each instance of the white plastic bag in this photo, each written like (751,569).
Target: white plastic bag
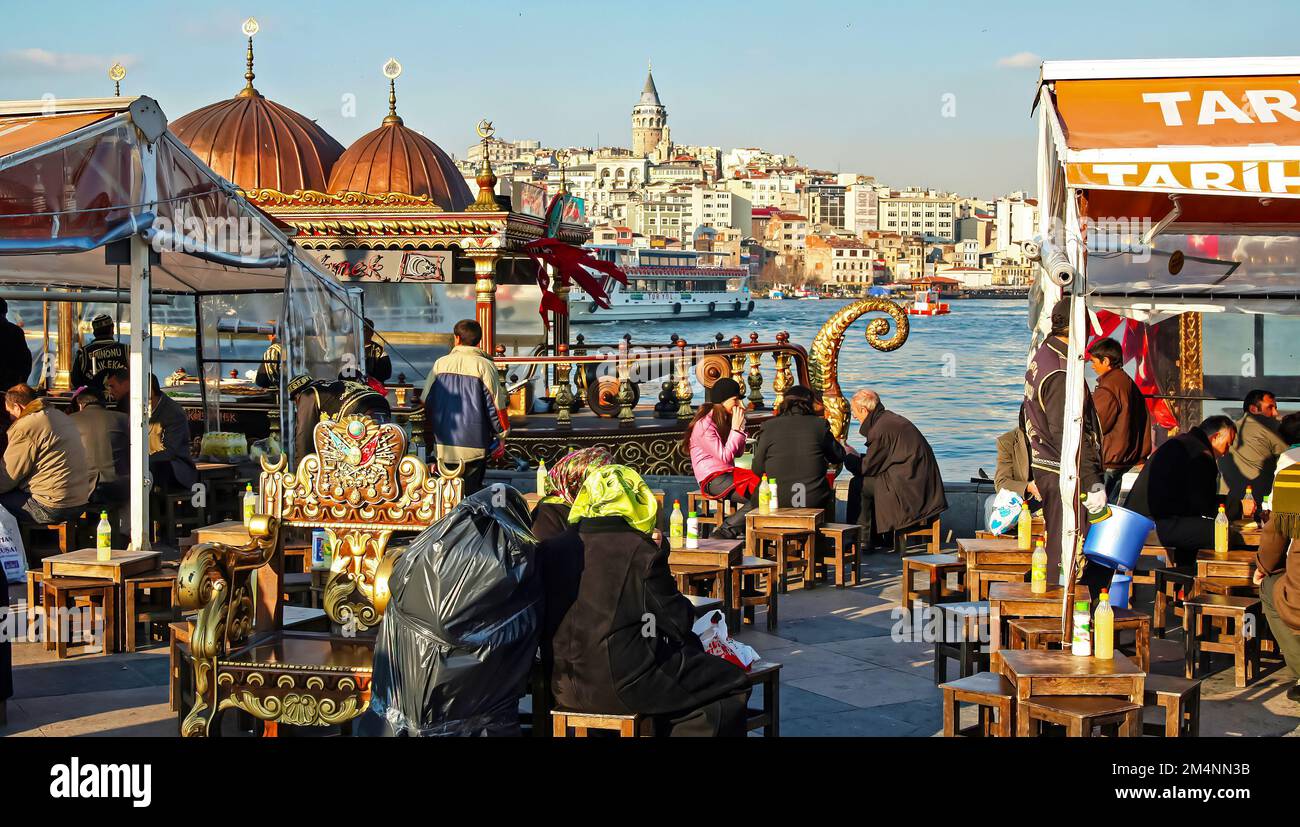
(712,632)
(1005,512)
(12,555)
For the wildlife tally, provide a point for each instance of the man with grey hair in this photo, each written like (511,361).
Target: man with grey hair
(896,484)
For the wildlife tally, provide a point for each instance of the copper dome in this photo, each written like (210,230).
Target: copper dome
(394,158)
(258,144)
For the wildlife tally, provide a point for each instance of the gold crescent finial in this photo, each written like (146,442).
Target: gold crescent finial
(249,28)
(116,73)
(485,129)
(392,70)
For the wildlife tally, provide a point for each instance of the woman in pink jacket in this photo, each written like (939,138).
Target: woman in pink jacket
(715,437)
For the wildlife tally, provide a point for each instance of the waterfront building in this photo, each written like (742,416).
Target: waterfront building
(837,260)
(928,213)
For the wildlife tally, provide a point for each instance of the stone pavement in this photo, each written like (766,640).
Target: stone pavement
(842,675)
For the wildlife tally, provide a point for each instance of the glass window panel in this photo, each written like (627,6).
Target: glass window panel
(1232,335)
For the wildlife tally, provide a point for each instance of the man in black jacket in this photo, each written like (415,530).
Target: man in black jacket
(1179,488)
(15,358)
(618,638)
(104,353)
(1042,417)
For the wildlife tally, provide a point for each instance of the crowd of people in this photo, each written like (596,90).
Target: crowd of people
(1181,484)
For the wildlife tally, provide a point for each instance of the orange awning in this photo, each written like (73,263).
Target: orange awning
(26,131)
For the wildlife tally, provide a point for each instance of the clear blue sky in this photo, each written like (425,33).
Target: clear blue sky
(855,86)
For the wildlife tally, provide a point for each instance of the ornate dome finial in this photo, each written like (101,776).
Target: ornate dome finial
(392,71)
(116,73)
(249,28)
(487,179)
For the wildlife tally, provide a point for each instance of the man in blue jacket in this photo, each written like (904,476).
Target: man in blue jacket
(465,406)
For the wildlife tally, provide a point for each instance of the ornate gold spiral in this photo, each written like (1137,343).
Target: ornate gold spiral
(824,356)
(711,368)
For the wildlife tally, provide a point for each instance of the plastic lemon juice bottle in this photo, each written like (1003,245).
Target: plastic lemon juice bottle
(676,526)
(250,504)
(103,538)
(1038,571)
(764,497)
(1024,528)
(1221,534)
(541,479)
(1103,629)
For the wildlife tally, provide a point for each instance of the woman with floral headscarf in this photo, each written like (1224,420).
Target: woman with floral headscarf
(564,480)
(618,633)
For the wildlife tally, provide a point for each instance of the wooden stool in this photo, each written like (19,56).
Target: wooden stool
(65,533)
(708,513)
(303,555)
(1234,586)
(702,605)
(699,578)
(33,591)
(767,717)
(1180,700)
(176,514)
(624,726)
(992,694)
(937,567)
(1244,650)
(1169,582)
(923,539)
(298,584)
(1127,620)
(178,659)
(1033,632)
(790,545)
(963,632)
(1079,714)
(843,540)
(61,593)
(1150,561)
(979,579)
(133,588)
(753,584)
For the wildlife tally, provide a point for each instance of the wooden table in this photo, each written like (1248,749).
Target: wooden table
(85,563)
(1236,563)
(712,551)
(802,519)
(1018,600)
(1047,672)
(1000,551)
(230,532)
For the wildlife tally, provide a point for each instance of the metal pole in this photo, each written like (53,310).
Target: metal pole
(141,358)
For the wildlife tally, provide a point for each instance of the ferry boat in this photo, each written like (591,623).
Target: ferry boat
(926,303)
(664,284)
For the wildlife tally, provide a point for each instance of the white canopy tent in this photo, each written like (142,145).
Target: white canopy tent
(1165,187)
(98,193)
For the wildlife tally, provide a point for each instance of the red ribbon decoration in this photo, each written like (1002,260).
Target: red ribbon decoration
(571,265)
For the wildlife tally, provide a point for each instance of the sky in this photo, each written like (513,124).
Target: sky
(931,94)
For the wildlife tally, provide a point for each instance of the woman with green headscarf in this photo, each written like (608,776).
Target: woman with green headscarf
(618,633)
(563,482)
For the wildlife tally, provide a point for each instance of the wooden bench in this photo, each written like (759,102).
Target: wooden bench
(361,488)
(843,551)
(1179,700)
(1079,715)
(765,674)
(993,695)
(936,568)
(1199,643)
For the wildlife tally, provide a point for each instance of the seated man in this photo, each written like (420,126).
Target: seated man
(314,398)
(1277,571)
(1178,488)
(617,637)
(170,463)
(1252,459)
(1012,472)
(44,479)
(106,436)
(900,481)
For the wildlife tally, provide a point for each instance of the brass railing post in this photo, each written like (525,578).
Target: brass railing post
(581,379)
(684,394)
(755,377)
(782,381)
(626,398)
(563,396)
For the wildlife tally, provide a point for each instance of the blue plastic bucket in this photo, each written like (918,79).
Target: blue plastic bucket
(1117,541)
(1120,584)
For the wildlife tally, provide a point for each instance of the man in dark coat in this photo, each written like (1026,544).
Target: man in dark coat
(378,366)
(899,477)
(104,353)
(170,462)
(618,634)
(316,397)
(794,448)
(15,358)
(1042,417)
(1179,488)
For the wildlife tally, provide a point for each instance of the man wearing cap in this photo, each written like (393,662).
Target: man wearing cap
(318,398)
(106,436)
(104,353)
(1042,416)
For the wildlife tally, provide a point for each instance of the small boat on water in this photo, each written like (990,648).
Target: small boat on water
(664,284)
(778,293)
(926,303)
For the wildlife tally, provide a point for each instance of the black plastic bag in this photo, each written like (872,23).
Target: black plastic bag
(460,632)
